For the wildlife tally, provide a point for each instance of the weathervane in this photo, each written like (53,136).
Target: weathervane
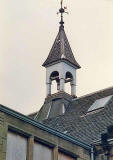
(62,10)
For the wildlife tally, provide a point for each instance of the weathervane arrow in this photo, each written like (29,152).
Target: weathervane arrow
(62,10)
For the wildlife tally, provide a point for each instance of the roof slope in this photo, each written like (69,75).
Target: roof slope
(80,124)
(40,126)
(61,50)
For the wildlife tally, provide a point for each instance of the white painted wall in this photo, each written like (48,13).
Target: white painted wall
(62,68)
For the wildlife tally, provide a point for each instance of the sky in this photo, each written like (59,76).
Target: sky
(27,31)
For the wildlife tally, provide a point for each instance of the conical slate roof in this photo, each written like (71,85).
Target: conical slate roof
(61,50)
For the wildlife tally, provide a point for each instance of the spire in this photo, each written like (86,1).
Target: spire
(61,50)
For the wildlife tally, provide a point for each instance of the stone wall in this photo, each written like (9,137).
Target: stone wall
(33,133)
(3,137)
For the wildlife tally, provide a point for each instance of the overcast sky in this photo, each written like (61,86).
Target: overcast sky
(27,31)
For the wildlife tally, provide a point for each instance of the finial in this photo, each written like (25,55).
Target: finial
(62,11)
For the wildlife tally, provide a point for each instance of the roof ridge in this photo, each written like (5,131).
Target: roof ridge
(90,94)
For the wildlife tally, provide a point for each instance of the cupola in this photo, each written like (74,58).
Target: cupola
(60,64)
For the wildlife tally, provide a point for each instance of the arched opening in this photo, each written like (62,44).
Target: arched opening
(54,77)
(68,81)
(68,77)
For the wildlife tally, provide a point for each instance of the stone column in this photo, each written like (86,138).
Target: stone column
(55,153)
(30,148)
(62,82)
(48,89)
(58,86)
(73,89)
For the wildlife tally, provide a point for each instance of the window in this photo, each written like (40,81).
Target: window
(42,152)
(16,147)
(100,103)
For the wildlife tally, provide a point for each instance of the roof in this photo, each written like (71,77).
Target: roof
(52,106)
(77,122)
(61,50)
(43,127)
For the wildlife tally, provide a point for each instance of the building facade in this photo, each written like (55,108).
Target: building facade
(66,127)
(24,138)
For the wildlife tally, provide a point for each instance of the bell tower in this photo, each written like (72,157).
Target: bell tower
(60,64)
(61,67)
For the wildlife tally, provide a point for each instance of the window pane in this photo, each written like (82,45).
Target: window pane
(16,147)
(42,152)
(62,156)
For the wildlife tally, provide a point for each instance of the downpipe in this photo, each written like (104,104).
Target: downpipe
(92,153)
